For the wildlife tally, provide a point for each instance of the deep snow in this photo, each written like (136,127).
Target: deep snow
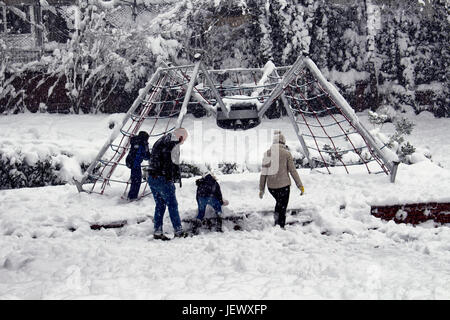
(345,253)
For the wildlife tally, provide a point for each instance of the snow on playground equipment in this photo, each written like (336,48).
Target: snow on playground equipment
(239,98)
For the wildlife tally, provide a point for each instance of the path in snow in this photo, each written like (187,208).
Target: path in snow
(361,257)
(342,254)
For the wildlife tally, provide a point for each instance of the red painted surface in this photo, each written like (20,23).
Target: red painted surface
(414,213)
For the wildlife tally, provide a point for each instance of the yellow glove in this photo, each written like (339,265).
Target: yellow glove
(302,189)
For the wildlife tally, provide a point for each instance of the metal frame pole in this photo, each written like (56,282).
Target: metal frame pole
(198,97)
(187,97)
(5,28)
(214,91)
(287,78)
(296,128)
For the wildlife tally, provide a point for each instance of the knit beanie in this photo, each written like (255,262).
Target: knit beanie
(278,137)
(143,135)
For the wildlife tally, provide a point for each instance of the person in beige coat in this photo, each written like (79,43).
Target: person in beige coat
(277,165)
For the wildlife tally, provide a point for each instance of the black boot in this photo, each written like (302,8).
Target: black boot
(181,234)
(276,218)
(196,225)
(160,237)
(282,219)
(219,224)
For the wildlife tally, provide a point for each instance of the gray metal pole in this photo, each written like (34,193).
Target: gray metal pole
(38,26)
(296,128)
(5,29)
(198,97)
(191,84)
(287,78)
(214,91)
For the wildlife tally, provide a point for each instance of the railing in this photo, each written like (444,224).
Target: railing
(22,55)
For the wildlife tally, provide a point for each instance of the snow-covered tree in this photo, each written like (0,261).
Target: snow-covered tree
(376,51)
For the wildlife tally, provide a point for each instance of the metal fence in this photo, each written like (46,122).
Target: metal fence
(22,48)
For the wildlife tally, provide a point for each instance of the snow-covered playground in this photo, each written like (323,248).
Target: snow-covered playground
(49,251)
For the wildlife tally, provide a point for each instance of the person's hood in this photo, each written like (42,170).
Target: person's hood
(135,140)
(278,137)
(207,177)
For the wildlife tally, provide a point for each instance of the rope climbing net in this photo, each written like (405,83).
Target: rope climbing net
(154,111)
(330,135)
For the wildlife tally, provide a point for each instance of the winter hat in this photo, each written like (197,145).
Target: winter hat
(278,137)
(143,135)
(209,173)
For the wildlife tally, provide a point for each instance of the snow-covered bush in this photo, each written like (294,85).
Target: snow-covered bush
(403,127)
(377,119)
(335,155)
(189,170)
(15,172)
(406,152)
(8,94)
(21,170)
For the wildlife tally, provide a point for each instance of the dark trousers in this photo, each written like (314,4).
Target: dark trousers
(215,204)
(281,196)
(135,184)
(202,202)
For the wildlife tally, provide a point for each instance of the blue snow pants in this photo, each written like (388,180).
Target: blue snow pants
(204,201)
(135,184)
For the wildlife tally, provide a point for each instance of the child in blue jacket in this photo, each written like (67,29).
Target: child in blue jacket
(139,151)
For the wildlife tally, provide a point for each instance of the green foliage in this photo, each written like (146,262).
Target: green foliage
(227,168)
(403,126)
(397,142)
(335,155)
(377,119)
(189,170)
(18,174)
(406,149)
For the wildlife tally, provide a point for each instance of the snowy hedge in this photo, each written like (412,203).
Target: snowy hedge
(16,173)
(22,170)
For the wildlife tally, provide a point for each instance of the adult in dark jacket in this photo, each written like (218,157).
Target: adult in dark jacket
(209,193)
(164,171)
(139,151)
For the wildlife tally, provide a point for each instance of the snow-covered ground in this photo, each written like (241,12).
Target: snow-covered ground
(48,251)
